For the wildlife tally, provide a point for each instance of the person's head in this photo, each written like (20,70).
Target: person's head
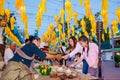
(63,43)
(72,42)
(78,55)
(83,40)
(35,40)
(13,46)
(27,41)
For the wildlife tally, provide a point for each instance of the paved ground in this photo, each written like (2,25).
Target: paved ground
(109,71)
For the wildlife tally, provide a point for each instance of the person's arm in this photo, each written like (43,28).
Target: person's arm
(49,56)
(44,55)
(77,49)
(5,57)
(75,63)
(96,57)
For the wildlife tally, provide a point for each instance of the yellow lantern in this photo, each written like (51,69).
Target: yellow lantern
(68,21)
(80,1)
(83,25)
(68,32)
(19,4)
(43,3)
(7,12)
(56,19)
(103,38)
(63,36)
(87,8)
(2,2)
(12,36)
(68,7)
(104,14)
(105,4)
(75,15)
(86,33)
(62,15)
(118,14)
(115,26)
(12,21)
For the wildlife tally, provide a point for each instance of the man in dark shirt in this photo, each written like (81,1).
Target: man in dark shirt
(21,60)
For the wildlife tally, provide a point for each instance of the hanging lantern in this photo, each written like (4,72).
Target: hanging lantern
(68,32)
(12,21)
(2,2)
(80,1)
(68,21)
(62,15)
(87,8)
(12,36)
(75,15)
(118,14)
(115,26)
(103,38)
(83,25)
(19,4)
(68,6)
(56,19)
(43,4)
(50,28)
(86,33)
(104,14)
(7,12)
(105,4)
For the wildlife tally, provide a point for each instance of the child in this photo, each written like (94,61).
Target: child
(79,66)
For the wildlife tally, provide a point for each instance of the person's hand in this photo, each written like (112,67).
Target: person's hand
(58,56)
(71,65)
(65,57)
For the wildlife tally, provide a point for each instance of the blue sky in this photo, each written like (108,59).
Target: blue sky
(53,8)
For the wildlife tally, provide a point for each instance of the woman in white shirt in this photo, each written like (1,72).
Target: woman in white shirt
(75,47)
(9,52)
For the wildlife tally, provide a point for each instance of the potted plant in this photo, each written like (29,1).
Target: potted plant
(117,60)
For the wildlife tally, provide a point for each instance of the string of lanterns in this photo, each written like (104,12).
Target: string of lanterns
(21,8)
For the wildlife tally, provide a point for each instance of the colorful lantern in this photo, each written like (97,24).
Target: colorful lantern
(87,8)
(118,14)
(105,4)
(2,2)
(75,15)
(114,26)
(68,6)
(83,25)
(80,1)
(56,19)
(62,15)
(104,14)
(12,21)
(7,12)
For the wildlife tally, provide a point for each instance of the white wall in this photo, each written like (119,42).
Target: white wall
(107,55)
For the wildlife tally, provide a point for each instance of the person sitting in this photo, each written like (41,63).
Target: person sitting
(9,52)
(79,66)
(21,61)
(63,48)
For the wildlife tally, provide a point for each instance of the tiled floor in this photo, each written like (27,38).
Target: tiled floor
(109,71)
